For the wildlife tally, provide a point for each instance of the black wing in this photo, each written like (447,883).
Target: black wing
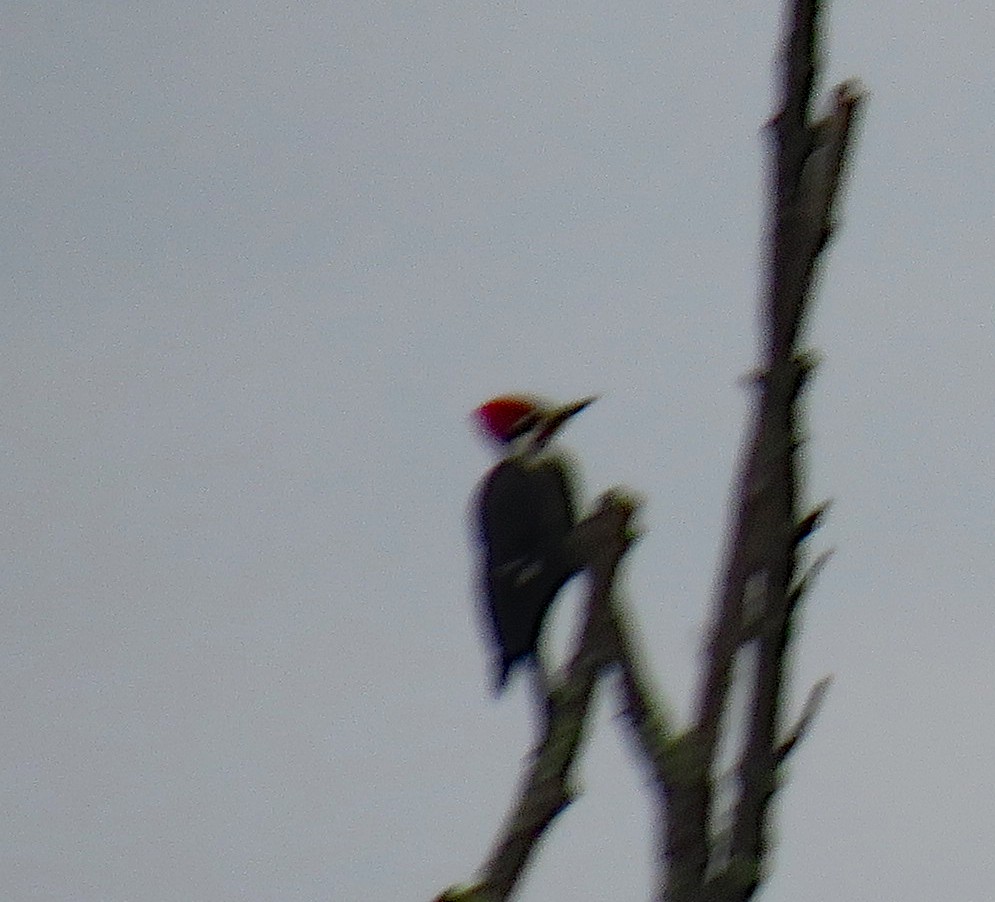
(526,511)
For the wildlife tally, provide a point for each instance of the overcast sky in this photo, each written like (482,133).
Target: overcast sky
(260,261)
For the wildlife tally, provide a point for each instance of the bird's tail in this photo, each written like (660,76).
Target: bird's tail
(501,674)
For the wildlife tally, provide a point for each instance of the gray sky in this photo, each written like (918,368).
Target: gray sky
(259,264)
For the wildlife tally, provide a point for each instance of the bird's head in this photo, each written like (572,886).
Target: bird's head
(510,417)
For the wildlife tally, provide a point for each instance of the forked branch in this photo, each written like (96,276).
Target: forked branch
(763,582)
(601,540)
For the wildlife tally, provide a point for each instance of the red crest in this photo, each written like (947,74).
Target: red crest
(507,417)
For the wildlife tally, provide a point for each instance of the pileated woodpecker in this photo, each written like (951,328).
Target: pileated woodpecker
(526,510)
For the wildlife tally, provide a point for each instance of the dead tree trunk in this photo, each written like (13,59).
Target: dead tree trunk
(707,854)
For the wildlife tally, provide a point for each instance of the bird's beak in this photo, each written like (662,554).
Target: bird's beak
(556,418)
(569,410)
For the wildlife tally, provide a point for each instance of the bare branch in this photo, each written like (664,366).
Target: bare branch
(816,696)
(602,539)
(760,590)
(642,705)
(763,582)
(810,523)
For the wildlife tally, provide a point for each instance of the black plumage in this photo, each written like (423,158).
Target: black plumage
(527,511)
